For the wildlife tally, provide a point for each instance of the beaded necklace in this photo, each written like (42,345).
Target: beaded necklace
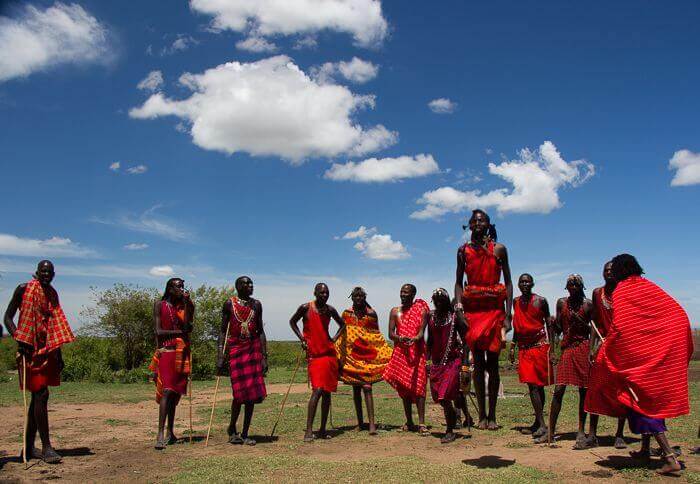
(245,322)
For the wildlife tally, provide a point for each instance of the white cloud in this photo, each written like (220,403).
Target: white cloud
(161,271)
(270,107)
(362,19)
(136,246)
(137,170)
(148,222)
(152,82)
(51,247)
(257,44)
(181,43)
(536,178)
(307,42)
(687,166)
(115,166)
(355,70)
(40,39)
(376,246)
(442,106)
(383,170)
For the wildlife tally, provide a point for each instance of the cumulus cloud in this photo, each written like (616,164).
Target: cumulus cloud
(181,43)
(362,19)
(39,39)
(376,246)
(115,166)
(687,166)
(257,44)
(270,107)
(152,82)
(137,170)
(161,271)
(383,170)
(354,70)
(136,246)
(536,178)
(307,42)
(442,106)
(51,247)
(149,222)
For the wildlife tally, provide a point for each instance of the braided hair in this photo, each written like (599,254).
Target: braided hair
(624,266)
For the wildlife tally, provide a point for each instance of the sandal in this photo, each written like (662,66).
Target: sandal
(423,430)
(160,444)
(448,438)
(51,457)
(235,439)
(672,469)
(407,428)
(248,441)
(620,443)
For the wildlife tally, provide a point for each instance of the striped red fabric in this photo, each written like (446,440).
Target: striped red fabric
(643,363)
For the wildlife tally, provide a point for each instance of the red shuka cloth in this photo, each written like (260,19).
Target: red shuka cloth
(171,362)
(245,355)
(446,351)
(533,349)
(485,315)
(602,310)
(645,354)
(406,370)
(322,359)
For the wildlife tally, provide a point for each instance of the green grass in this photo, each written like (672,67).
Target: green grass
(279,468)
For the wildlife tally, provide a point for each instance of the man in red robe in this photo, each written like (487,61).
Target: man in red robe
(531,335)
(40,332)
(321,354)
(602,318)
(641,370)
(482,260)
(406,370)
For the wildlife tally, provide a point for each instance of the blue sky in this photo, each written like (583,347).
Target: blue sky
(230,169)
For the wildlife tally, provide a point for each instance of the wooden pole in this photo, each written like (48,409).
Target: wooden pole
(191,370)
(284,400)
(216,389)
(26,412)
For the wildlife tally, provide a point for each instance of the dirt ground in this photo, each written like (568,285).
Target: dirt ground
(110,442)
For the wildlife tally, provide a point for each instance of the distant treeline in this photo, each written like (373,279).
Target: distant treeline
(117,341)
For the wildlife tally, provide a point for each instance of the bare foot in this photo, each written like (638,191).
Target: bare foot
(540,432)
(671,466)
(309,436)
(172,439)
(483,424)
(160,442)
(50,456)
(493,425)
(372,429)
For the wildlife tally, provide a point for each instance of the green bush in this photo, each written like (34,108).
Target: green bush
(283,353)
(8,350)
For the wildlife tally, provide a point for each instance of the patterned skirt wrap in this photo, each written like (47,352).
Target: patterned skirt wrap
(534,366)
(444,380)
(323,373)
(246,369)
(42,372)
(363,355)
(574,366)
(170,378)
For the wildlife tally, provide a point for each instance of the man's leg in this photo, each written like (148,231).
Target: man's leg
(369,401)
(581,413)
(162,417)
(554,410)
(644,452)
(671,464)
(247,418)
(311,414)
(31,432)
(233,436)
(494,383)
(174,399)
(537,405)
(461,403)
(450,418)
(408,412)
(420,405)
(480,387)
(357,400)
(325,409)
(620,434)
(41,416)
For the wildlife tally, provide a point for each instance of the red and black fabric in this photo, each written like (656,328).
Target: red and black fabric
(321,355)
(406,370)
(574,365)
(483,298)
(602,310)
(529,321)
(643,363)
(246,358)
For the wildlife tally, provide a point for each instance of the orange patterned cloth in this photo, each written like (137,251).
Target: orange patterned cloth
(42,324)
(363,352)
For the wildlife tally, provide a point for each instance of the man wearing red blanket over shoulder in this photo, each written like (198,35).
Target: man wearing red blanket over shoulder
(641,370)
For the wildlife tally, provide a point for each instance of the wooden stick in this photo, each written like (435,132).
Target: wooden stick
(284,400)
(191,370)
(26,412)
(216,389)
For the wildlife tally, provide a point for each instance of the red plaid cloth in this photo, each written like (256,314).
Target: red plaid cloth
(42,324)
(574,366)
(246,367)
(406,370)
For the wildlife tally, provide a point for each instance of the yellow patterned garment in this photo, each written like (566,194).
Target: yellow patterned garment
(363,353)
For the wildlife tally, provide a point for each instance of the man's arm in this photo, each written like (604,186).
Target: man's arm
(299,314)
(221,356)
(459,278)
(501,252)
(423,324)
(392,326)
(159,326)
(263,337)
(12,309)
